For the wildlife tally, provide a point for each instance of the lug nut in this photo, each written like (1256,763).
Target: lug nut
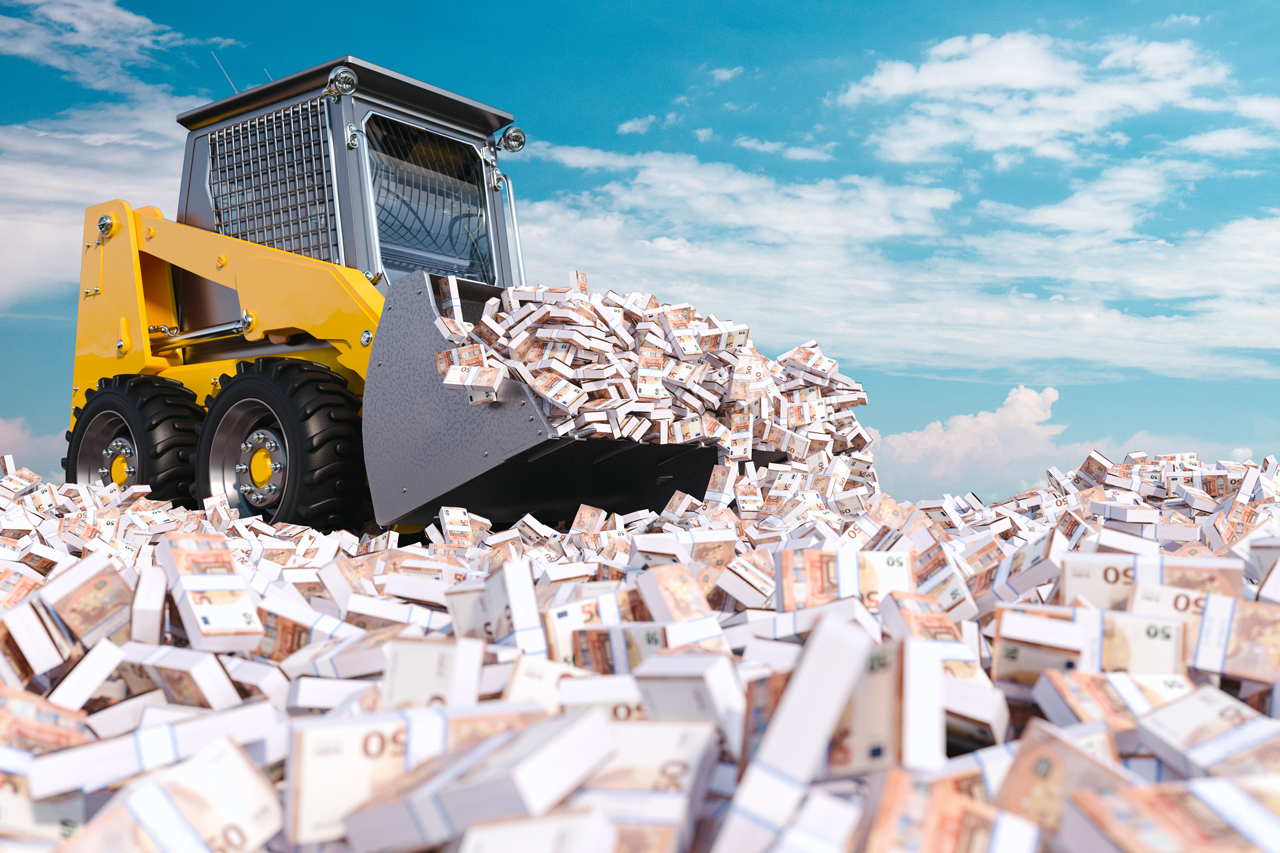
(245,447)
(256,438)
(245,489)
(241,468)
(106,454)
(126,452)
(271,488)
(130,471)
(102,472)
(272,446)
(276,467)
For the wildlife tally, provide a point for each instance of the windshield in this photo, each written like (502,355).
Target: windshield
(429,194)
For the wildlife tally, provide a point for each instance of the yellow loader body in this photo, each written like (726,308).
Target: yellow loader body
(126,289)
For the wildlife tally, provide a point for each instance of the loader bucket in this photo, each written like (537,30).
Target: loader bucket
(424,447)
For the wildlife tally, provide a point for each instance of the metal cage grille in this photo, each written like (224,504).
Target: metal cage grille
(271,180)
(429,194)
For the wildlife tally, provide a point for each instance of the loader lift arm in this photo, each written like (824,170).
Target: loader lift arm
(126,289)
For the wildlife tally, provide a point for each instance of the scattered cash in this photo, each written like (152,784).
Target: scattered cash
(792,661)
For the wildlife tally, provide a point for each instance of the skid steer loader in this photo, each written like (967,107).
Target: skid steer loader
(275,341)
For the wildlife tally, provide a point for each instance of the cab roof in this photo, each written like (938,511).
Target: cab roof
(375,80)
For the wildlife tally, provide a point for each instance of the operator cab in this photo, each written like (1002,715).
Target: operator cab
(354,164)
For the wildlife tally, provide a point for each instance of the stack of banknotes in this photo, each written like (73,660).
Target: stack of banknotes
(791,662)
(624,366)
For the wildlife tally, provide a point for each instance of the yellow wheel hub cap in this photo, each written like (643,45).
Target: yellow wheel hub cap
(260,467)
(119,469)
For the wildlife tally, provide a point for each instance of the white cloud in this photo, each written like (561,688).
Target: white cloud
(752,144)
(822,152)
(1028,93)
(1175,20)
(1112,204)
(98,44)
(637,125)
(997,454)
(52,169)
(1231,142)
(672,119)
(802,258)
(1264,108)
(1005,160)
(985,452)
(41,453)
(703,134)
(724,75)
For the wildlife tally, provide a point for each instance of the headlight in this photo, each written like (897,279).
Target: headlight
(513,139)
(342,80)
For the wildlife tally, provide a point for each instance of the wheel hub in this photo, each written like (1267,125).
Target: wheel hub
(117,464)
(262,467)
(107,453)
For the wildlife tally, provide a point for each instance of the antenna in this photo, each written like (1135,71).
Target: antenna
(224,72)
(269,77)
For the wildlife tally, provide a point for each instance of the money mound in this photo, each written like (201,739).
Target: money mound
(793,662)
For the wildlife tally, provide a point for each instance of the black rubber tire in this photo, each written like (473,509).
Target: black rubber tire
(320,424)
(162,416)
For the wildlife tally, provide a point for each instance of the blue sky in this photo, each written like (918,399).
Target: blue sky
(1029,229)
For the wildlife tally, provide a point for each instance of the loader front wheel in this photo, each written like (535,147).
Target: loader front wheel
(136,429)
(282,440)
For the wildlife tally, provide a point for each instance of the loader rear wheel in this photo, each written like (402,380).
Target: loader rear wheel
(282,440)
(136,429)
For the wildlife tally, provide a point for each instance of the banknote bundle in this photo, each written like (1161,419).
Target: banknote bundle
(792,660)
(625,366)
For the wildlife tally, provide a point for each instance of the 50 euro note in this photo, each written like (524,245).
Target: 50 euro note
(35,725)
(868,735)
(871,575)
(1032,639)
(922,617)
(1106,580)
(1212,816)
(215,800)
(1225,635)
(336,764)
(912,814)
(806,578)
(1048,766)
(1208,732)
(655,778)
(1068,697)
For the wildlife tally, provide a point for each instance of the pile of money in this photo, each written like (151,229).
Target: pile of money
(627,366)
(792,661)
